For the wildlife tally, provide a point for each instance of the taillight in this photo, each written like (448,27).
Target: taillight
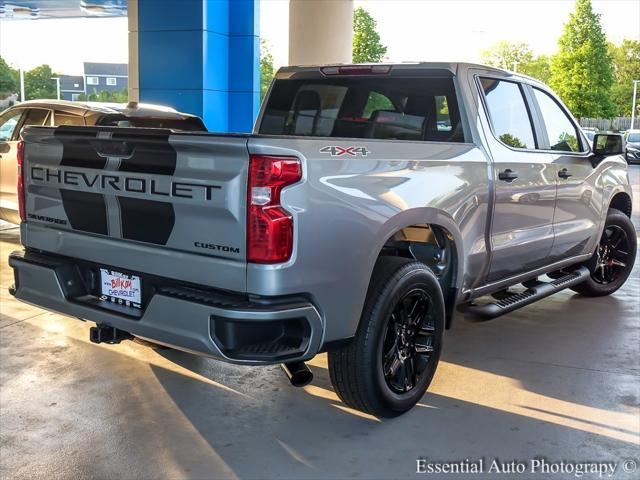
(269,226)
(21,209)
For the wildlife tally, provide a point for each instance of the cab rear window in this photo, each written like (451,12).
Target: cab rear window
(413,109)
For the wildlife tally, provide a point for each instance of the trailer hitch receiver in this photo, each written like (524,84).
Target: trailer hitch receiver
(107,334)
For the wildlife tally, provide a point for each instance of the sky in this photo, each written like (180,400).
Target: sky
(429,30)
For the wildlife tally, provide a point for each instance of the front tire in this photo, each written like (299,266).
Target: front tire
(613,259)
(389,364)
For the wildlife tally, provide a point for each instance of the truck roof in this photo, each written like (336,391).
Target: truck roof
(408,64)
(406,67)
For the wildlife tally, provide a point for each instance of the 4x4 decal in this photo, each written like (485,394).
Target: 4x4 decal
(337,151)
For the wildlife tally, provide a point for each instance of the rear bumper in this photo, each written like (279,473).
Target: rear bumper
(233,328)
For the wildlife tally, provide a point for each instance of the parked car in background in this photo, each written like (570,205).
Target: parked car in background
(55,113)
(590,133)
(632,140)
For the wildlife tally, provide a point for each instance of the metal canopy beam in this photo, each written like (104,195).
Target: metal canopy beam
(48,9)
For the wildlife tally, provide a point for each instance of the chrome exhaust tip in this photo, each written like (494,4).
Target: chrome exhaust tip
(298,373)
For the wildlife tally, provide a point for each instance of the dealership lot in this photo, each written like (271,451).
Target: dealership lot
(558,379)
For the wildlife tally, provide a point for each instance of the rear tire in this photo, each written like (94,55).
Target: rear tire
(388,366)
(613,259)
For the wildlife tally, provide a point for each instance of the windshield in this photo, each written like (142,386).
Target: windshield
(634,137)
(422,109)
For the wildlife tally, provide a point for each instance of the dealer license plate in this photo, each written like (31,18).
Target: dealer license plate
(120,288)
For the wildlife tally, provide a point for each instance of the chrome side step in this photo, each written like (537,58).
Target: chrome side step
(533,294)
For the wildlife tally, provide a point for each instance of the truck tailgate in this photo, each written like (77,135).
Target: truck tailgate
(154,201)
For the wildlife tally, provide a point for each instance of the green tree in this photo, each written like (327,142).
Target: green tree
(8,79)
(507,55)
(119,96)
(266,68)
(582,70)
(512,140)
(38,83)
(367,47)
(518,56)
(626,66)
(539,68)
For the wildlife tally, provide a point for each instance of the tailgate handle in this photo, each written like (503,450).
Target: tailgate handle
(112,148)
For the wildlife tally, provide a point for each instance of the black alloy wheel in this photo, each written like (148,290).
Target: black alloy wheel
(613,259)
(612,255)
(409,342)
(387,367)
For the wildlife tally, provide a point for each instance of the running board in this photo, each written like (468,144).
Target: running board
(533,294)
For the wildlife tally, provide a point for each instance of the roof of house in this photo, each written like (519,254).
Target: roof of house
(93,68)
(71,83)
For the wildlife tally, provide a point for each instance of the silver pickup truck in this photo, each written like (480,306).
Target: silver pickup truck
(370,203)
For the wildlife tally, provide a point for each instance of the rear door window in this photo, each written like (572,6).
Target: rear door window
(508,113)
(416,109)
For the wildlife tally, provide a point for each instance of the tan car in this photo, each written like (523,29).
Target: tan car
(56,113)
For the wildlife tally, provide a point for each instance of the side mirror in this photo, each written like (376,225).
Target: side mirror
(607,144)
(4,147)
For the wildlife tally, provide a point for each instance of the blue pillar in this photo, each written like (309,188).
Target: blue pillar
(201,57)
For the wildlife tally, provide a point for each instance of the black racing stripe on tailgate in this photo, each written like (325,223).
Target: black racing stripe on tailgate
(86,211)
(146,220)
(78,150)
(151,154)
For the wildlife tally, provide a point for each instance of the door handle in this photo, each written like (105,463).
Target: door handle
(508,175)
(564,173)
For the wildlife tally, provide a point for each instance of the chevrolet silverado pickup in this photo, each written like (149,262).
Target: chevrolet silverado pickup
(370,203)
